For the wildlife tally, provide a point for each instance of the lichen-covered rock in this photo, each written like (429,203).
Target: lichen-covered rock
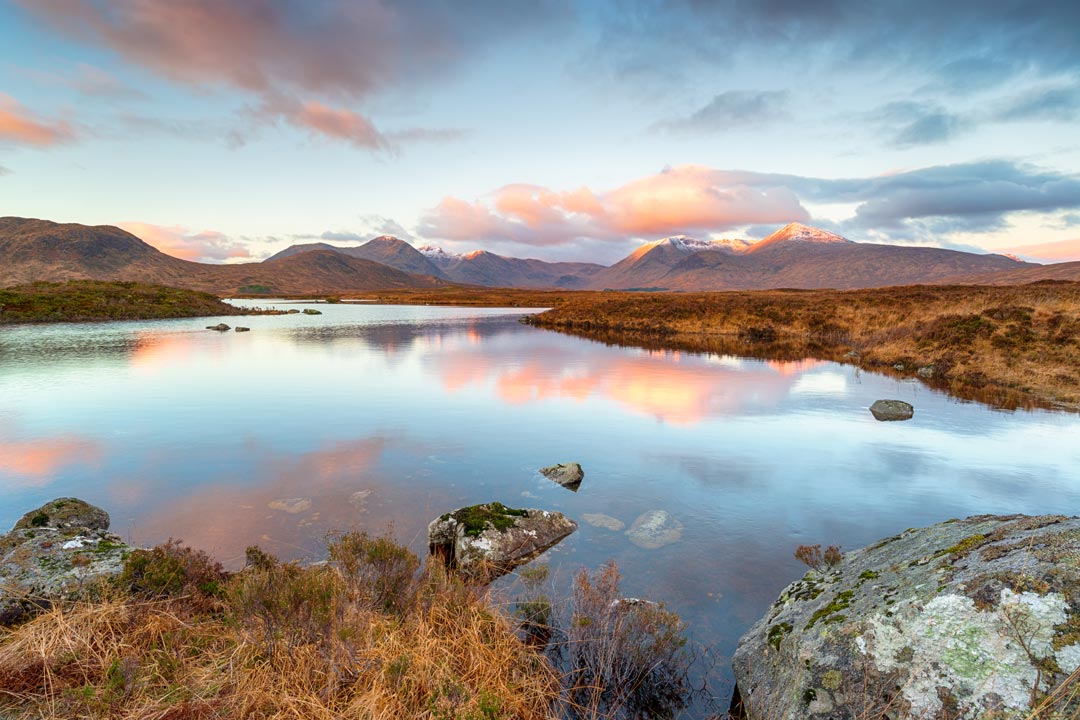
(56,552)
(485,541)
(655,529)
(891,410)
(569,475)
(965,619)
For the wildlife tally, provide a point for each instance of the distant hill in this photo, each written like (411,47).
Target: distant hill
(796,256)
(490,270)
(1027,273)
(385,249)
(33,250)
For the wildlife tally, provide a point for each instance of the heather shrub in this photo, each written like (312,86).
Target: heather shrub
(380,572)
(172,569)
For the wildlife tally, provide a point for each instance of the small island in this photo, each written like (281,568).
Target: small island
(94,301)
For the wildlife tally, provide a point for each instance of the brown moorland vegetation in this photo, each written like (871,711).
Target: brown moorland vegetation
(92,300)
(1011,346)
(367,634)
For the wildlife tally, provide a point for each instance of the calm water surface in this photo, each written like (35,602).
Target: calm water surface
(370,415)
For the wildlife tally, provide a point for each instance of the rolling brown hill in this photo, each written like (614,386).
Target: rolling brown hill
(1067,271)
(33,250)
(490,270)
(796,256)
(385,249)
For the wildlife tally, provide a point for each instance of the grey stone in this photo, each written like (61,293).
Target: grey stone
(56,552)
(220,327)
(312,311)
(243,329)
(655,529)
(925,372)
(569,475)
(889,410)
(604,521)
(965,619)
(483,542)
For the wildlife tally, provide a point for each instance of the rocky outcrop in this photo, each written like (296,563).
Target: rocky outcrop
(655,529)
(972,618)
(569,475)
(887,410)
(485,541)
(55,552)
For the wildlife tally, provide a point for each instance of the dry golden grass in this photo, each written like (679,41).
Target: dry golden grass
(1011,346)
(192,656)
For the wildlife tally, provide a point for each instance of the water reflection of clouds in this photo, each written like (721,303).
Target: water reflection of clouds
(679,390)
(37,462)
(286,503)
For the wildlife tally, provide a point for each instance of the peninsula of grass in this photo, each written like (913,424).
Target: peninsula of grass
(1013,346)
(92,300)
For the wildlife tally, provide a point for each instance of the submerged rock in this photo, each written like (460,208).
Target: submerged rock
(607,522)
(965,619)
(485,541)
(220,327)
(885,410)
(56,552)
(569,475)
(655,529)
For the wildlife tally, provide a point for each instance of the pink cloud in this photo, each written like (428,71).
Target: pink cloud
(205,246)
(321,119)
(21,127)
(1058,251)
(684,199)
(338,51)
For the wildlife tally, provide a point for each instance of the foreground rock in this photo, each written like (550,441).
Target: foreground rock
(655,529)
(973,618)
(569,475)
(56,552)
(887,410)
(485,541)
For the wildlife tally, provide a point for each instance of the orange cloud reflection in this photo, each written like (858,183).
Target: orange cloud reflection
(36,462)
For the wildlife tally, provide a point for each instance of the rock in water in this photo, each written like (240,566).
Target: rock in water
(892,410)
(965,619)
(485,541)
(655,529)
(243,329)
(569,475)
(220,327)
(54,553)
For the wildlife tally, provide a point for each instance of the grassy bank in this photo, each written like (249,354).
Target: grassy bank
(91,300)
(1010,346)
(368,634)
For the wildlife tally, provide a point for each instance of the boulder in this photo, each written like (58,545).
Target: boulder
(56,552)
(220,327)
(485,541)
(311,311)
(886,410)
(569,475)
(243,329)
(972,618)
(655,529)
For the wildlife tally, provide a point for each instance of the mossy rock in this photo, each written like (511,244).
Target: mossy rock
(65,513)
(965,619)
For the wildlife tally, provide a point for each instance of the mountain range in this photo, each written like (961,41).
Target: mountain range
(796,256)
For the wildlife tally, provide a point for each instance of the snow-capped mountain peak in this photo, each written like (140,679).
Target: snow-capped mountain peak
(433,252)
(804,233)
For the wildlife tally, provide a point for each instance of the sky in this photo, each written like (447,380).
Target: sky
(225,131)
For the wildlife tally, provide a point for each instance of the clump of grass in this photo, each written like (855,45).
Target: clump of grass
(812,556)
(280,640)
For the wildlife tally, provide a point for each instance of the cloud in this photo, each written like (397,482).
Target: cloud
(911,123)
(1058,251)
(687,199)
(732,109)
(320,119)
(921,206)
(18,126)
(205,246)
(1060,103)
(956,43)
(305,61)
